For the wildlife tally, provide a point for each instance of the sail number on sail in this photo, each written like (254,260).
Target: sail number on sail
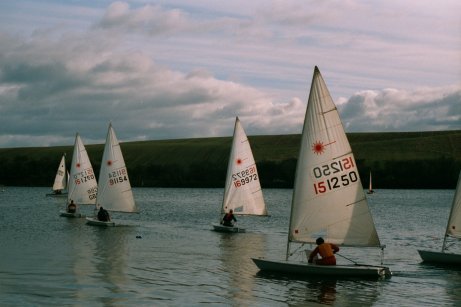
(84,176)
(336,174)
(244,177)
(118,176)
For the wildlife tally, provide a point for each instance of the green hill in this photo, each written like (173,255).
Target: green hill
(397,160)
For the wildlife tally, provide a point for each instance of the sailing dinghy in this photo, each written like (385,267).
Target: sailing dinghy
(114,188)
(453,230)
(60,180)
(82,187)
(328,197)
(242,192)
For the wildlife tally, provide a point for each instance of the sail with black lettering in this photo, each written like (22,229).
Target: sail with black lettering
(83,186)
(114,188)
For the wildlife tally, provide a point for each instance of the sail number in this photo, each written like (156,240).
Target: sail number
(335,182)
(118,176)
(244,177)
(336,174)
(84,176)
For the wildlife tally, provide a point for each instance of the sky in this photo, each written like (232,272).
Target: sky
(185,69)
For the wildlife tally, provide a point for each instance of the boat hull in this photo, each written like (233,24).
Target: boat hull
(307,270)
(95,222)
(68,214)
(231,229)
(440,258)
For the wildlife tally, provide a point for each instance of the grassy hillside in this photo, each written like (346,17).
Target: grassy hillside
(397,160)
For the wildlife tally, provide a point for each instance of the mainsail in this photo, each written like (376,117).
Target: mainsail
(114,188)
(243,189)
(82,183)
(60,181)
(454,221)
(328,197)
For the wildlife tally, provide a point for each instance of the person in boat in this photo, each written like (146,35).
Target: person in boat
(326,250)
(103,215)
(229,218)
(72,207)
(58,192)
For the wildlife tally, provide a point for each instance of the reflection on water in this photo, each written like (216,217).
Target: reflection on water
(236,251)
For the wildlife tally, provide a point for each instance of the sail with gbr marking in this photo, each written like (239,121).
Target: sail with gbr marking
(328,198)
(82,181)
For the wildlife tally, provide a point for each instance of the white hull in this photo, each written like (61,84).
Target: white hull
(308,270)
(440,258)
(222,228)
(95,222)
(68,214)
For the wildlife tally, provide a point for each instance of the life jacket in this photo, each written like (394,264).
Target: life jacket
(325,250)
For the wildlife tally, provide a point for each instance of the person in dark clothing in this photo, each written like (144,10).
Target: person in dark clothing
(228,218)
(103,215)
(72,207)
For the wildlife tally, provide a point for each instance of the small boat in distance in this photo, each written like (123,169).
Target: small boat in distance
(60,180)
(82,187)
(328,197)
(453,230)
(114,188)
(242,192)
(370,187)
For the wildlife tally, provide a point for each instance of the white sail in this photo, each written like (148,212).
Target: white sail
(328,197)
(114,188)
(60,181)
(243,192)
(454,221)
(82,183)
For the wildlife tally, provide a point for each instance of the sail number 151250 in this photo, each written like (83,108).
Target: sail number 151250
(334,175)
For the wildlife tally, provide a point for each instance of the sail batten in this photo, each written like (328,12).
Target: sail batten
(328,198)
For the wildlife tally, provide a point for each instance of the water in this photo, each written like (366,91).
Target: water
(178,261)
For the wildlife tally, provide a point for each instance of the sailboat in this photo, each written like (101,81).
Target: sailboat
(453,230)
(370,188)
(114,188)
(82,186)
(60,180)
(242,192)
(328,197)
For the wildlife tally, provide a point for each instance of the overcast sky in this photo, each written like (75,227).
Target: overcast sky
(183,69)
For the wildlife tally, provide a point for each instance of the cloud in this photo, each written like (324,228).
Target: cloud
(160,72)
(403,110)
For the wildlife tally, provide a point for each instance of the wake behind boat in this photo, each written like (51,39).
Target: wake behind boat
(242,192)
(453,230)
(328,197)
(114,188)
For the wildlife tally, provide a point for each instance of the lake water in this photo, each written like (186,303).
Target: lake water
(168,256)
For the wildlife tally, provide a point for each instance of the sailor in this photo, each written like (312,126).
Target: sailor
(103,215)
(326,251)
(228,218)
(72,207)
